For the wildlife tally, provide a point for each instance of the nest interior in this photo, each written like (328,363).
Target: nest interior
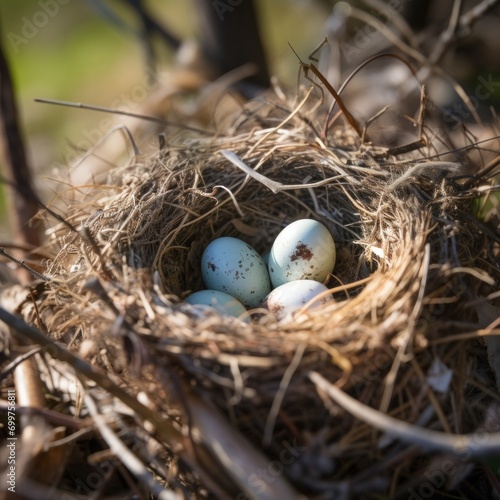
(412,266)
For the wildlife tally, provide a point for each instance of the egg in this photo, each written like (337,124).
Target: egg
(304,250)
(290,297)
(222,302)
(232,266)
(265,258)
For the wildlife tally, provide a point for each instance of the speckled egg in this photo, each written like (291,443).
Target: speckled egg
(223,303)
(290,297)
(232,266)
(304,250)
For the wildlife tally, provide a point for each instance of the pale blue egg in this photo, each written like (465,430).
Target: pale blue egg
(223,303)
(232,266)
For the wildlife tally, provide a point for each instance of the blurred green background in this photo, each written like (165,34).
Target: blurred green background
(66,50)
(74,54)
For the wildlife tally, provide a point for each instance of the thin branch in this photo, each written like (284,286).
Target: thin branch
(466,445)
(474,14)
(164,428)
(131,462)
(16,164)
(280,394)
(22,264)
(116,111)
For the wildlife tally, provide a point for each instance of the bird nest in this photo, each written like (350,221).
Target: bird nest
(385,390)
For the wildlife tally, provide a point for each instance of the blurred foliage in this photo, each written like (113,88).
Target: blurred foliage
(74,54)
(80,56)
(487,207)
(68,51)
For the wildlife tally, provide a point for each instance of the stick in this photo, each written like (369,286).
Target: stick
(466,445)
(17,170)
(131,462)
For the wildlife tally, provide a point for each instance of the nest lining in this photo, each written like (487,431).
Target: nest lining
(400,241)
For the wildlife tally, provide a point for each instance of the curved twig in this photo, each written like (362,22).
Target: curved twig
(466,445)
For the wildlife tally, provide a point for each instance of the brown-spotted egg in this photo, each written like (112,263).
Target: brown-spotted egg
(304,250)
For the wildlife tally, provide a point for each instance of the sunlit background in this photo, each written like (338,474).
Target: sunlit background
(69,50)
(73,51)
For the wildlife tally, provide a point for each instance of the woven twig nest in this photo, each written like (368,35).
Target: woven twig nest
(256,403)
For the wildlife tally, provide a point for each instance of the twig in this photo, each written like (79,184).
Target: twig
(415,54)
(58,351)
(51,416)
(19,359)
(241,461)
(475,13)
(329,121)
(280,394)
(116,111)
(479,176)
(311,67)
(448,36)
(131,462)
(22,264)
(396,18)
(467,445)
(274,186)
(17,169)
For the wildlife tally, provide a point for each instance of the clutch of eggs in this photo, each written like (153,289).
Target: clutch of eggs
(237,277)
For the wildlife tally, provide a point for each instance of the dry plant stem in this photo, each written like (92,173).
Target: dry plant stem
(57,351)
(235,453)
(51,416)
(415,54)
(490,167)
(470,445)
(475,13)
(20,359)
(466,336)
(24,205)
(114,111)
(23,265)
(350,119)
(397,20)
(120,450)
(458,27)
(405,349)
(280,394)
(446,40)
(328,122)
(274,186)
